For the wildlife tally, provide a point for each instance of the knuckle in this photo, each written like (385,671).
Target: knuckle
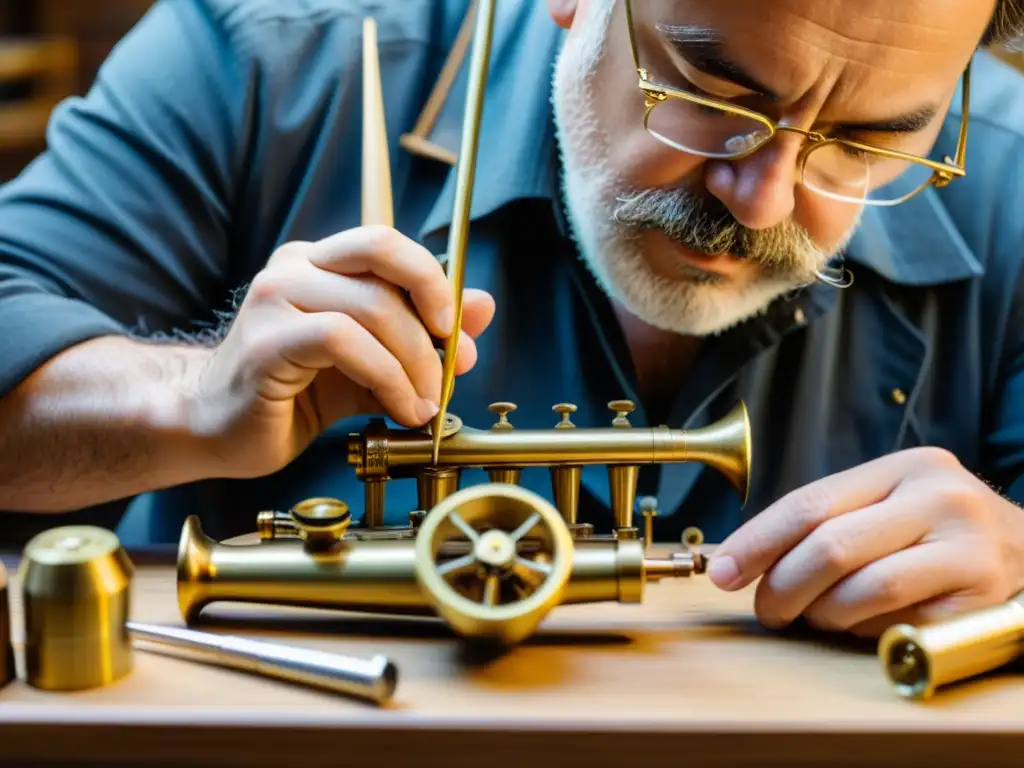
(936,456)
(380,239)
(267,286)
(832,553)
(961,501)
(811,505)
(891,590)
(289,251)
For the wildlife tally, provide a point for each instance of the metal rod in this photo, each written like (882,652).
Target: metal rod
(458,238)
(371,679)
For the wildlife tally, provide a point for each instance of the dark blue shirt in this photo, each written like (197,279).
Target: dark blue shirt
(219,130)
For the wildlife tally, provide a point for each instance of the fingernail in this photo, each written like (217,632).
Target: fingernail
(428,409)
(723,572)
(446,319)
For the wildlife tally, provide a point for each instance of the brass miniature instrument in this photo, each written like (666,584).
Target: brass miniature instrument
(919,660)
(380,454)
(491,560)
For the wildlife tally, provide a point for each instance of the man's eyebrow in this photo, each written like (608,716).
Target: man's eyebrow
(703,50)
(911,122)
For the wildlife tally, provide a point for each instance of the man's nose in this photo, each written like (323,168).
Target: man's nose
(759,190)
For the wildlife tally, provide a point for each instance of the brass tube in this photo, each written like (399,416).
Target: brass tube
(373,576)
(919,660)
(377,576)
(724,446)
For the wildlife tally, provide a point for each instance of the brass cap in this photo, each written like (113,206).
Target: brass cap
(7,669)
(76,588)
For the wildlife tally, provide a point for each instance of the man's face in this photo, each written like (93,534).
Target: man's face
(695,245)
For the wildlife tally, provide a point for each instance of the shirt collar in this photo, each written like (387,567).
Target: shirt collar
(914,244)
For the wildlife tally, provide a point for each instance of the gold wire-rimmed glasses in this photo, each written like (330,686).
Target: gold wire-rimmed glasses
(837,168)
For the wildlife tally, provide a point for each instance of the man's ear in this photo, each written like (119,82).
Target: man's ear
(563,11)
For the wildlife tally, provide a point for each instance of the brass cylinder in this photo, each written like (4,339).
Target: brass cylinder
(7,668)
(76,587)
(565,485)
(919,660)
(375,576)
(375,490)
(434,485)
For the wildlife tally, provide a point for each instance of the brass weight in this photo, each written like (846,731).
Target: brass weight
(76,588)
(917,661)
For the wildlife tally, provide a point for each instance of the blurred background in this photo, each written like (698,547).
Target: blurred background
(50,49)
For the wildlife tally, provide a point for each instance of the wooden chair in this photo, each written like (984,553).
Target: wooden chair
(49,69)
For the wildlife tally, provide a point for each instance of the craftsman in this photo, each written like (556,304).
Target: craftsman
(192,317)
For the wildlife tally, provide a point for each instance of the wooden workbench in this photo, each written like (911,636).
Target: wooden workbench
(687,679)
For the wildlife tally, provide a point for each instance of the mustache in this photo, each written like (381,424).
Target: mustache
(705,225)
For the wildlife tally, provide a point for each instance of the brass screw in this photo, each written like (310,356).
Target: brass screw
(622,408)
(693,537)
(649,509)
(566,410)
(503,410)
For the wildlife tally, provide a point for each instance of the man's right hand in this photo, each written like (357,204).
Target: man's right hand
(329,330)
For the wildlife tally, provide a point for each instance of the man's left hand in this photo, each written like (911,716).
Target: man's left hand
(910,537)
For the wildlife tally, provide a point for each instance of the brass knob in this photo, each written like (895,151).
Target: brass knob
(566,410)
(321,521)
(693,537)
(622,408)
(503,410)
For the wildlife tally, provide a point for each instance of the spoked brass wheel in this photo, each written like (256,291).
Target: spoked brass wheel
(494,559)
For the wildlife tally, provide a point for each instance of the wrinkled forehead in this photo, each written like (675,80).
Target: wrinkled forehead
(792,44)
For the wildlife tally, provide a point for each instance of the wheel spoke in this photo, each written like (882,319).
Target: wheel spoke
(491,589)
(530,572)
(526,527)
(467,531)
(457,566)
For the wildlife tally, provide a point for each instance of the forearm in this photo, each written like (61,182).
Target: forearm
(104,420)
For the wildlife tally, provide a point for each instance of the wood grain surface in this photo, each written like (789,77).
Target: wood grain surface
(688,674)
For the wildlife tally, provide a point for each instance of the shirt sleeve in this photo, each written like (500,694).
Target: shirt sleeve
(123,224)
(1005,440)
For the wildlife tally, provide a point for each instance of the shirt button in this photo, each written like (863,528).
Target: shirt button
(798,316)
(898,396)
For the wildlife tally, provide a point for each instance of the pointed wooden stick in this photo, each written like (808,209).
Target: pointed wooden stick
(378,203)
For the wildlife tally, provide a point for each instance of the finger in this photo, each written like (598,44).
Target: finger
(333,339)
(477,311)
(761,542)
(900,581)
(833,551)
(396,259)
(938,609)
(385,312)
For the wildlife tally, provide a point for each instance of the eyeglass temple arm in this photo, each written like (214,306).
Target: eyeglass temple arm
(632,35)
